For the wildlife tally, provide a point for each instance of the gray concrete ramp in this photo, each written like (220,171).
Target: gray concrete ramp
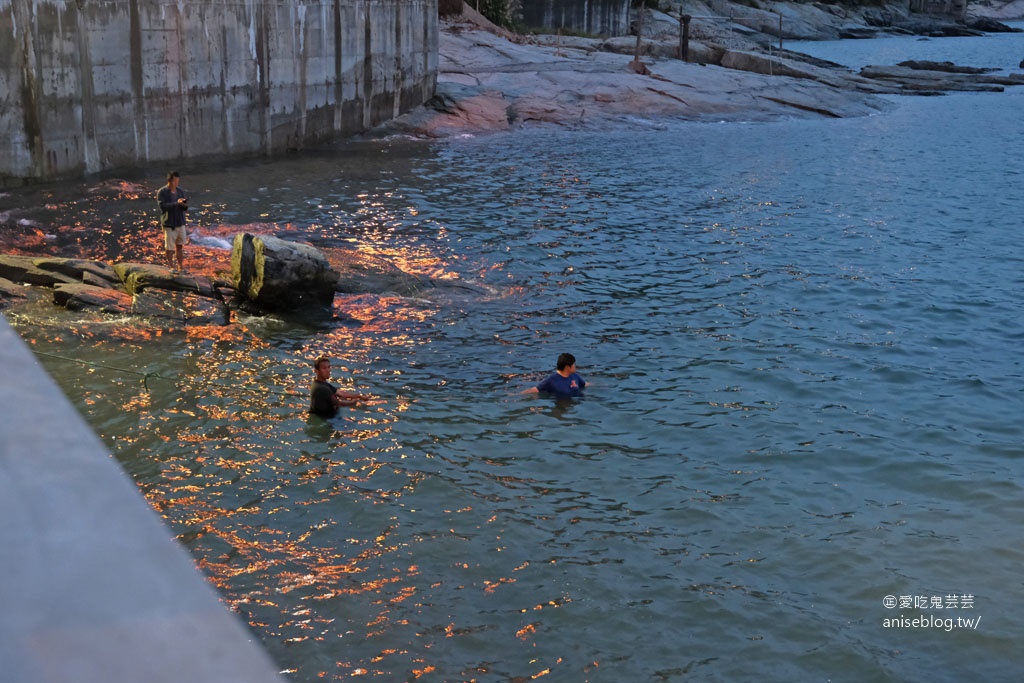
(94,587)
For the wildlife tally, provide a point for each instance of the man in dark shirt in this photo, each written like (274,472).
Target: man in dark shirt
(173,205)
(324,397)
(563,382)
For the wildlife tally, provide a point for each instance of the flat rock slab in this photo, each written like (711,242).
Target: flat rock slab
(174,309)
(918,78)
(80,269)
(138,277)
(23,269)
(83,297)
(488,83)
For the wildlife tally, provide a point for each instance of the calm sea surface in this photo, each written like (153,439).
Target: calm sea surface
(803,347)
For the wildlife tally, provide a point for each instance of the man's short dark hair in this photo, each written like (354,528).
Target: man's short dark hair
(173,174)
(321,360)
(565,360)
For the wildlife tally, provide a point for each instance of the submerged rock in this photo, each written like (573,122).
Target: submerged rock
(361,273)
(186,308)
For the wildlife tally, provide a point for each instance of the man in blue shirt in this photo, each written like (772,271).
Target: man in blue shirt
(564,382)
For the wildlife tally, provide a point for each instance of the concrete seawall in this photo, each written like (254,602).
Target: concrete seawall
(95,588)
(93,85)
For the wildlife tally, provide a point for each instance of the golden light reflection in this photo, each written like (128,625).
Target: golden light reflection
(214,455)
(491,586)
(526,631)
(139,402)
(384,315)
(420,262)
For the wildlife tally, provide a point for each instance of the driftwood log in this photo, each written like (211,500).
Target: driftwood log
(279,275)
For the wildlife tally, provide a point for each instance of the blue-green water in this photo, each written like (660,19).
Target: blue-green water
(802,341)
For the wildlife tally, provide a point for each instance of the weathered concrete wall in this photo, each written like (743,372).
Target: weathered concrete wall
(594,17)
(91,85)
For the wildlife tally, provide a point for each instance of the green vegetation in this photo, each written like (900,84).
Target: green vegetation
(498,11)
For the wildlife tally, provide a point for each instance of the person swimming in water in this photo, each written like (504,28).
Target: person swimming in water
(564,382)
(324,397)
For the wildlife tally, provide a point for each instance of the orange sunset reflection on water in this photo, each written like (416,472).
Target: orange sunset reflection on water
(311,530)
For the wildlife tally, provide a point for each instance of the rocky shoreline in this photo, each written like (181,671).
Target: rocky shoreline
(294,280)
(492,80)
(141,290)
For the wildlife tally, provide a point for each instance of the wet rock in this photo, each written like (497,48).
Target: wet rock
(279,275)
(23,269)
(97,281)
(82,297)
(80,269)
(989,25)
(858,33)
(360,273)
(170,308)
(139,289)
(946,80)
(462,108)
(138,277)
(936,27)
(946,67)
(179,308)
(11,290)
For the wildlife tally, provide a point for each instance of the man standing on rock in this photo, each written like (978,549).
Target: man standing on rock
(173,205)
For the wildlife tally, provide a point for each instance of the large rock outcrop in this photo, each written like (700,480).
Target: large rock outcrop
(492,80)
(281,276)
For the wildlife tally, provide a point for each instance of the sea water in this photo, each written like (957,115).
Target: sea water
(799,456)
